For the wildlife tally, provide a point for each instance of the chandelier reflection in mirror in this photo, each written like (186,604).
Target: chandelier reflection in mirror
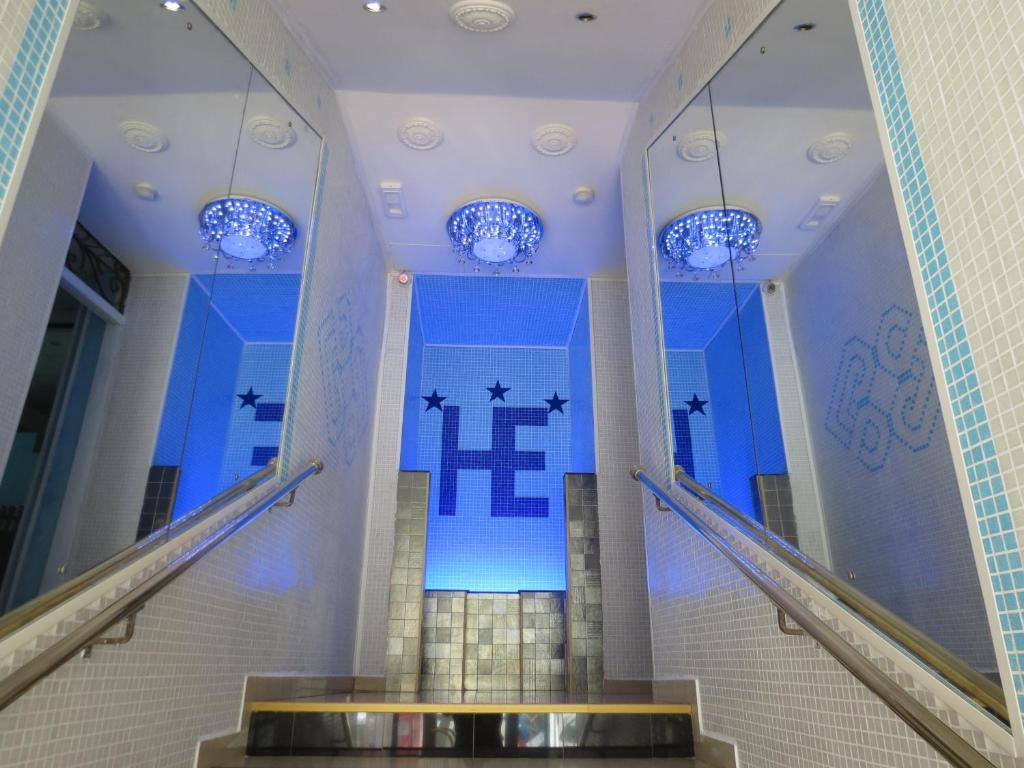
(247,229)
(495,233)
(705,239)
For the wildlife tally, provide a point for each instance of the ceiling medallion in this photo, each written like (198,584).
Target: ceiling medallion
(270,131)
(554,139)
(698,146)
(705,239)
(89,17)
(247,229)
(420,133)
(482,15)
(495,233)
(143,136)
(830,149)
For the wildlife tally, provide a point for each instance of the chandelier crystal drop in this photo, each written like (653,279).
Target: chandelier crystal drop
(247,229)
(705,239)
(495,232)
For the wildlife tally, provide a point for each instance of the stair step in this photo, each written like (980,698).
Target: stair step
(462,726)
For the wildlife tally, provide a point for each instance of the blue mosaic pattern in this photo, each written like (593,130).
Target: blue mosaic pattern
(25,82)
(693,313)
(496,521)
(1002,550)
(884,393)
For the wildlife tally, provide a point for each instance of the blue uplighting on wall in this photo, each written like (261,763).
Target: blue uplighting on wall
(224,407)
(498,311)
(710,412)
(498,425)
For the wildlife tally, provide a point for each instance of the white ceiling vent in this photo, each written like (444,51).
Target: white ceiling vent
(143,136)
(482,15)
(554,139)
(831,148)
(821,211)
(393,198)
(420,133)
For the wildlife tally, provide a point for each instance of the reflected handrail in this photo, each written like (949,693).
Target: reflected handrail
(130,603)
(32,610)
(918,717)
(953,669)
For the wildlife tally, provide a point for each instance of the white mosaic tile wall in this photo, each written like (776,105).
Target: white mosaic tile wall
(281,597)
(627,638)
(380,511)
(799,461)
(32,254)
(951,101)
(780,698)
(143,349)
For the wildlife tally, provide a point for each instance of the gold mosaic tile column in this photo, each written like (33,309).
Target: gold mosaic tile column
(543,616)
(444,628)
(493,640)
(585,613)
(405,597)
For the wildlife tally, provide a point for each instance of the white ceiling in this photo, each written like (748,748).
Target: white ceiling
(769,108)
(414,47)
(487,152)
(196,87)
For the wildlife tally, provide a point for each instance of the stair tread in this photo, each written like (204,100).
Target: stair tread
(500,702)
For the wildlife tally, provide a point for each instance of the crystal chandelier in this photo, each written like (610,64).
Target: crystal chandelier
(247,229)
(495,233)
(705,239)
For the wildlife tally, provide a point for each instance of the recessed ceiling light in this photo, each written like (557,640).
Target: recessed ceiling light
(807,26)
(374,7)
(145,191)
(172,5)
(585,17)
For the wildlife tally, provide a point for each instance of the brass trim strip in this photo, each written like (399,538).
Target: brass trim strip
(918,717)
(34,670)
(47,601)
(486,708)
(971,682)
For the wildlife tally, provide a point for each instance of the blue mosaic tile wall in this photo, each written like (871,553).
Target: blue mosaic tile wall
(581,381)
(711,422)
(224,407)
(254,428)
(496,521)
(462,310)
(498,425)
(693,416)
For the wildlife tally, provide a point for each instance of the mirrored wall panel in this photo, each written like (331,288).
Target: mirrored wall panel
(801,383)
(171,189)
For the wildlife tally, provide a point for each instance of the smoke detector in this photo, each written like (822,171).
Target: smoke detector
(482,15)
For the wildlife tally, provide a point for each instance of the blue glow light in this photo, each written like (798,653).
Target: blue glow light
(247,229)
(496,232)
(704,240)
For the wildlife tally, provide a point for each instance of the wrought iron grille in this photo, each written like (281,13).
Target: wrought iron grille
(98,268)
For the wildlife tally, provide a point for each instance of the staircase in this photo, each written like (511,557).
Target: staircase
(316,723)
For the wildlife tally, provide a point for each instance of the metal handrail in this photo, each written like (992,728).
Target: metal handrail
(954,670)
(32,610)
(84,635)
(926,724)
